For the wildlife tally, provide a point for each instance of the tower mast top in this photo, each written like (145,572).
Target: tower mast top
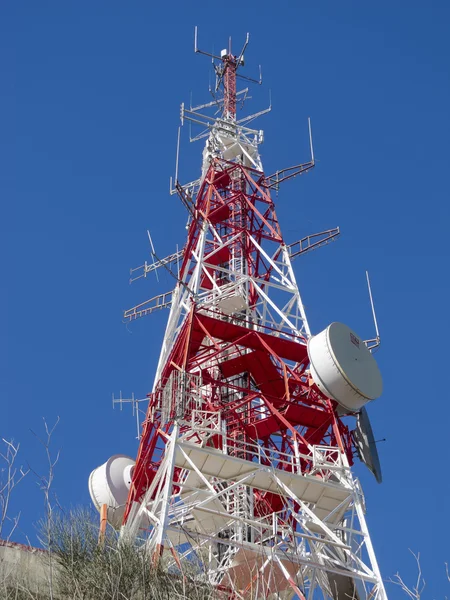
(229,84)
(226,68)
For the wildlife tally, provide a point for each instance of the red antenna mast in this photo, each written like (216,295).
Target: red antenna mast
(252,424)
(229,84)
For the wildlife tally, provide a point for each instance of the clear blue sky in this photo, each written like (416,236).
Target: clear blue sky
(89,105)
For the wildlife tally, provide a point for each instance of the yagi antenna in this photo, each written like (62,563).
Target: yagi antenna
(373,343)
(135,408)
(162,263)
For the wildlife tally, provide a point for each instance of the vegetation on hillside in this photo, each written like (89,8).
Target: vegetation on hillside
(75,566)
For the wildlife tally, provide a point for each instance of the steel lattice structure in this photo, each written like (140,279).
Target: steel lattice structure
(242,459)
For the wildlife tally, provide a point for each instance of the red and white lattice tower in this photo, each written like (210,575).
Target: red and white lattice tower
(246,448)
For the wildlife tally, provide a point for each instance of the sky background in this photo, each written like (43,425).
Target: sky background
(89,111)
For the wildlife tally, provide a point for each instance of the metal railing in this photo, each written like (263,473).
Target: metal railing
(324,460)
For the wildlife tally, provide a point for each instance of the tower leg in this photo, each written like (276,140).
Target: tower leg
(166,495)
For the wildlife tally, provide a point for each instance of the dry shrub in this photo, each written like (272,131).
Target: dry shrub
(81,569)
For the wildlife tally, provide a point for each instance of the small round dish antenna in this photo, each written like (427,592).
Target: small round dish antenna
(365,444)
(109,484)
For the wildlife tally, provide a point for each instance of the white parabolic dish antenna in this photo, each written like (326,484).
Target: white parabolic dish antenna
(109,484)
(343,368)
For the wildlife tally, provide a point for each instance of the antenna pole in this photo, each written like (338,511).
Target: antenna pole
(151,243)
(136,408)
(373,309)
(178,156)
(310,140)
(241,55)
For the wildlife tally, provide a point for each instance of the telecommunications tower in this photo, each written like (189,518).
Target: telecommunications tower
(253,423)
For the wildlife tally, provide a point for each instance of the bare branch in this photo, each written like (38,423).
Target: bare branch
(414,592)
(10,477)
